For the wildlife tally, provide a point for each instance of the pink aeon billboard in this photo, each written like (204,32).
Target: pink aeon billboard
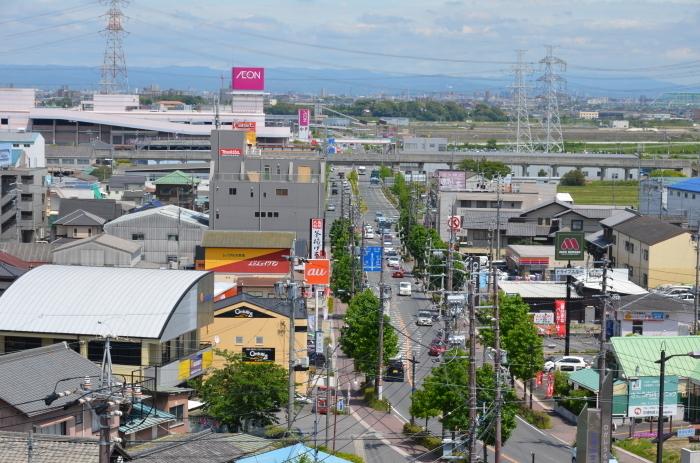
(248,78)
(304,116)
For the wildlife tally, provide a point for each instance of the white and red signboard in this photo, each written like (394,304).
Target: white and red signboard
(230,152)
(304,120)
(452,180)
(248,126)
(317,272)
(245,78)
(454,222)
(316,238)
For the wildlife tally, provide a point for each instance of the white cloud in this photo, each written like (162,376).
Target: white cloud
(682,54)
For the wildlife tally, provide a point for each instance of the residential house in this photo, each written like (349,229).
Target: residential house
(78,224)
(30,375)
(168,234)
(258,329)
(598,243)
(100,250)
(108,209)
(157,314)
(52,449)
(177,188)
(653,251)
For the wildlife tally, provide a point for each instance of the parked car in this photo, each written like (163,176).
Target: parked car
(398,274)
(424,318)
(570,363)
(404,288)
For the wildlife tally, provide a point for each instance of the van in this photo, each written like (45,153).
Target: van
(404,288)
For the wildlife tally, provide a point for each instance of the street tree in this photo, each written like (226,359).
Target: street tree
(341,276)
(242,392)
(489,169)
(524,349)
(361,331)
(485,399)
(443,392)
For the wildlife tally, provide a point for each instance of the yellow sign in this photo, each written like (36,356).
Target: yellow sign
(183,370)
(250,138)
(207,359)
(246,260)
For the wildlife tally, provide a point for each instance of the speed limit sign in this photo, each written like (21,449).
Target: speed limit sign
(454,222)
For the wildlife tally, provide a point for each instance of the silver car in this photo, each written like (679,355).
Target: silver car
(424,318)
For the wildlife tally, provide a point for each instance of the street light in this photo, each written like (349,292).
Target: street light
(660,424)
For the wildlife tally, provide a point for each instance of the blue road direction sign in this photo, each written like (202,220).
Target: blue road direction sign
(372,259)
(688,432)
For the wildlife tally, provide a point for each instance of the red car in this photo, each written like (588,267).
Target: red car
(437,348)
(398,274)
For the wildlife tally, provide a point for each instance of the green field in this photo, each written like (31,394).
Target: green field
(623,193)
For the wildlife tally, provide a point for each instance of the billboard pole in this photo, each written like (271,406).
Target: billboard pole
(567,310)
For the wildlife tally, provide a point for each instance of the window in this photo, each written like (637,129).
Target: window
(232,191)
(540,221)
(481,204)
(27,145)
(630,269)
(685,195)
(277,214)
(251,192)
(4,121)
(84,161)
(59,429)
(179,412)
(645,280)
(137,237)
(171,258)
(637,326)
(281,192)
(75,232)
(257,213)
(217,213)
(16,343)
(123,353)
(645,254)
(266,172)
(548,221)
(172,237)
(629,247)
(259,340)
(577,225)
(269,214)
(239,340)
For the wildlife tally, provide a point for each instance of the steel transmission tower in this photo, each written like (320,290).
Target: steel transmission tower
(552,83)
(114,76)
(523,136)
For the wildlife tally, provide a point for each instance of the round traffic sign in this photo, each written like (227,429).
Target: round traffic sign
(454,222)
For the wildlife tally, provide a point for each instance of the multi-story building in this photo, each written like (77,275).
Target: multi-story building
(588,115)
(250,191)
(653,251)
(23,193)
(684,198)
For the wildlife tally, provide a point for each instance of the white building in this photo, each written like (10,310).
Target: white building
(620,124)
(26,149)
(684,198)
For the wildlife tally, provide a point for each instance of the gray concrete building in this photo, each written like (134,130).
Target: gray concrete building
(23,194)
(253,191)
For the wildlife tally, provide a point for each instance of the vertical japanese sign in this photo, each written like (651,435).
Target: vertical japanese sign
(560,315)
(317,238)
(304,119)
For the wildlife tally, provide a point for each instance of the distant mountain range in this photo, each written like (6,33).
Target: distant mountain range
(315,81)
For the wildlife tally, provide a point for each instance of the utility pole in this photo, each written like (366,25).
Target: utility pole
(498,219)
(472,369)
(602,354)
(291,293)
(567,310)
(413,381)
(450,257)
(380,354)
(342,201)
(497,366)
(351,226)
(328,391)
(697,272)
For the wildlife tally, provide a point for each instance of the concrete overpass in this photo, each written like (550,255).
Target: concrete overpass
(555,164)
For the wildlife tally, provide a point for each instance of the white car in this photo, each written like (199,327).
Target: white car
(570,363)
(393,262)
(424,318)
(369,235)
(388,249)
(404,288)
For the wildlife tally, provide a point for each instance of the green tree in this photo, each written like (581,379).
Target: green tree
(486,396)
(665,173)
(542,173)
(341,276)
(491,144)
(244,391)
(385,172)
(359,335)
(573,178)
(490,169)
(485,112)
(524,349)
(443,392)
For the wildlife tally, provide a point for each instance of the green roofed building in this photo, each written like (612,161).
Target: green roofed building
(177,188)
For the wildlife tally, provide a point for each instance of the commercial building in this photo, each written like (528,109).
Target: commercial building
(101,250)
(156,316)
(420,144)
(168,234)
(588,115)
(25,149)
(249,191)
(653,251)
(684,197)
(23,211)
(653,314)
(258,329)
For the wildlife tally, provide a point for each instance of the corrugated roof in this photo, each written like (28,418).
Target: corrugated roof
(18,137)
(50,364)
(72,299)
(48,448)
(649,230)
(482,220)
(654,301)
(586,378)
(29,252)
(177,178)
(692,185)
(105,240)
(291,453)
(144,417)
(536,289)
(80,218)
(108,209)
(641,352)
(170,211)
(532,250)
(201,447)
(279,306)
(617,217)
(247,239)
(617,283)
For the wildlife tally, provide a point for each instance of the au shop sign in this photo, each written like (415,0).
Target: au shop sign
(317,271)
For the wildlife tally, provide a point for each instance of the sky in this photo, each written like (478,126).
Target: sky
(598,39)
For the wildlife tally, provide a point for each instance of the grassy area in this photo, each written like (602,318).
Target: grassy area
(646,449)
(621,193)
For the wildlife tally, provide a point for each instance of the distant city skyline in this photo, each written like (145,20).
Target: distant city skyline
(653,39)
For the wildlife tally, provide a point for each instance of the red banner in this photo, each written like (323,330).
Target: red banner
(560,315)
(550,385)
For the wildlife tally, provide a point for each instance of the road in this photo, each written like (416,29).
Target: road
(414,340)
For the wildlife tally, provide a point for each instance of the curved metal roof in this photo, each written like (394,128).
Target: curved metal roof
(67,299)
